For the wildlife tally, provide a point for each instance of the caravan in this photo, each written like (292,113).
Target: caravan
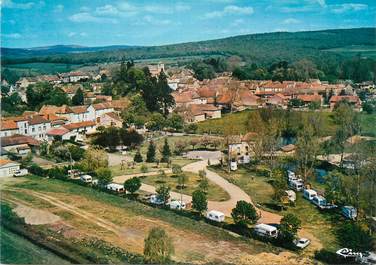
(216,216)
(309,194)
(296,184)
(265,230)
(319,201)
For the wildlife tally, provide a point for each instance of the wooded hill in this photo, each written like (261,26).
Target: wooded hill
(262,49)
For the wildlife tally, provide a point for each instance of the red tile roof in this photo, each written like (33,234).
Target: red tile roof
(310,98)
(18,139)
(101,106)
(76,125)
(8,125)
(352,99)
(78,109)
(57,131)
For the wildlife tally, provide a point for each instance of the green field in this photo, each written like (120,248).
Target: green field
(351,51)
(18,250)
(239,122)
(42,68)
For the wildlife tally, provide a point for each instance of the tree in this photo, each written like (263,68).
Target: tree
(175,121)
(182,180)
(150,155)
(94,158)
(157,122)
(307,147)
(78,98)
(166,152)
(132,185)
(354,236)
(194,142)
(244,213)
(199,201)
(289,226)
(204,185)
(180,146)
(130,137)
(191,128)
(348,124)
(138,157)
(163,193)
(158,247)
(104,176)
(108,137)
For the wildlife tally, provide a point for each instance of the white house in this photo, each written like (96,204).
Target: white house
(38,127)
(8,168)
(100,109)
(84,127)
(8,128)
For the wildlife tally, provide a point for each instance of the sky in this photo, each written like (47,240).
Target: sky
(35,23)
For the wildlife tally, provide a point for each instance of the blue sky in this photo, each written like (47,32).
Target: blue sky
(27,23)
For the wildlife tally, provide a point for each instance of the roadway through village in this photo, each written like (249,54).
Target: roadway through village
(236,193)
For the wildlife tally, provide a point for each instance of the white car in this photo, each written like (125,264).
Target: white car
(302,242)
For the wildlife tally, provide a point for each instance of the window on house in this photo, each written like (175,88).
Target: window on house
(44,127)
(39,128)
(25,131)
(33,129)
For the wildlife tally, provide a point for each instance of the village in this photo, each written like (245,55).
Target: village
(174,162)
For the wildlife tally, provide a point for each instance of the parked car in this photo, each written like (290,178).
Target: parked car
(21,172)
(216,216)
(309,194)
(86,178)
(233,165)
(178,205)
(265,230)
(322,204)
(302,242)
(349,212)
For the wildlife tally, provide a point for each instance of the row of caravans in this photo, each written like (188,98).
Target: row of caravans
(298,185)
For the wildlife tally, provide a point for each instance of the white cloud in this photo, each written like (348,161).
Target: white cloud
(124,6)
(230,10)
(322,3)
(107,10)
(11,4)
(72,34)
(83,17)
(213,14)
(237,22)
(12,36)
(59,8)
(289,21)
(339,9)
(84,9)
(83,34)
(180,7)
(154,21)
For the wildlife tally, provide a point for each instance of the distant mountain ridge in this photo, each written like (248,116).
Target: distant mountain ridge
(261,48)
(57,49)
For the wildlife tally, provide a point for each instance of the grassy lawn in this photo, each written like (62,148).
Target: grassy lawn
(239,121)
(118,170)
(257,187)
(368,122)
(215,193)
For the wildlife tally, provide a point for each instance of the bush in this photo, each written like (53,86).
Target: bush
(330,257)
(37,170)
(353,236)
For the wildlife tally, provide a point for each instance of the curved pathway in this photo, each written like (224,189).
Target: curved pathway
(236,193)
